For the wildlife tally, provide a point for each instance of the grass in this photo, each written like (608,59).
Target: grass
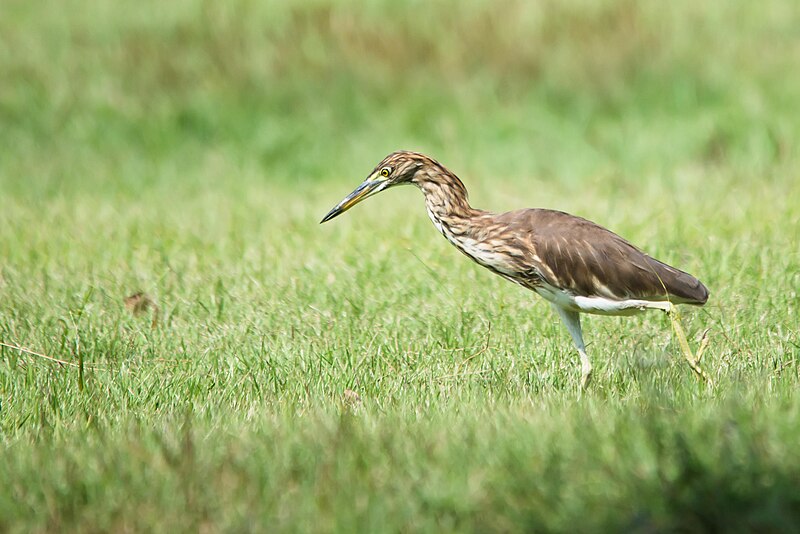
(362,375)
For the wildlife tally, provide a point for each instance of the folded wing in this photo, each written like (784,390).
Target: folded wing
(586,259)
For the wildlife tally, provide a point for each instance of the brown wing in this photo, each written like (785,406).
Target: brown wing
(576,254)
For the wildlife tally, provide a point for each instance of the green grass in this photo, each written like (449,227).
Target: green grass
(188,150)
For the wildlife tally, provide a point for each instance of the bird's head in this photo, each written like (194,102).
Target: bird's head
(395,169)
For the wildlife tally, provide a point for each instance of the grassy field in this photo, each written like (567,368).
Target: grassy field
(363,375)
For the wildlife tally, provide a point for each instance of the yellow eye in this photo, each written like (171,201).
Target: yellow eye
(385,172)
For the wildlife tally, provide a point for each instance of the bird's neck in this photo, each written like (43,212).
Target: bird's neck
(447,204)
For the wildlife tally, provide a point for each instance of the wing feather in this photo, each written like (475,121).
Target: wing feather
(578,255)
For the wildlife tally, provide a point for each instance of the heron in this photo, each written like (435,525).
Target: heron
(575,264)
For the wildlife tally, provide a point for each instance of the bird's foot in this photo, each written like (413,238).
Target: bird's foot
(692,359)
(586,376)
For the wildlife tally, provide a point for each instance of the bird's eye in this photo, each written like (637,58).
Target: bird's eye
(385,172)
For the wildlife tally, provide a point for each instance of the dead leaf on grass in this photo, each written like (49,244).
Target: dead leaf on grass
(140,303)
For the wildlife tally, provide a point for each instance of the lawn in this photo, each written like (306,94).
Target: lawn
(363,375)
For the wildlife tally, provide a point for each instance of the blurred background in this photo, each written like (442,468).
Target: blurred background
(195,93)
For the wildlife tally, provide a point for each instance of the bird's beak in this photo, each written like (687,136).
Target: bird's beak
(370,187)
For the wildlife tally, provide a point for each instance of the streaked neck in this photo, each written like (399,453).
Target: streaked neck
(447,204)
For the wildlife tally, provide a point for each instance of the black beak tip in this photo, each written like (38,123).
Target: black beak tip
(331,214)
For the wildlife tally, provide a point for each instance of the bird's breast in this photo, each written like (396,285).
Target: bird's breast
(480,248)
(482,253)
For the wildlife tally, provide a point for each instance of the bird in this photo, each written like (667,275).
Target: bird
(575,264)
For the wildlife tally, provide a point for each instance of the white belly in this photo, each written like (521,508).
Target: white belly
(598,305)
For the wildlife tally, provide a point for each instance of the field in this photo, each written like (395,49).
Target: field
(363,375)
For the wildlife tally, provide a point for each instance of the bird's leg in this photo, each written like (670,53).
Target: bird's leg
(694,361)
(586,368)
(703,345)
(572,320)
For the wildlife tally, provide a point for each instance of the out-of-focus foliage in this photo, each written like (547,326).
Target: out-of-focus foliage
(306,86)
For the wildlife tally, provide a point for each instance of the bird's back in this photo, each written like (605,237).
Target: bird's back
(585,259)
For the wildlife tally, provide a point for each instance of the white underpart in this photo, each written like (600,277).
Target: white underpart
(598,305)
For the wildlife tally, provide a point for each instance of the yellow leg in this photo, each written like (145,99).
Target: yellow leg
(694,361)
